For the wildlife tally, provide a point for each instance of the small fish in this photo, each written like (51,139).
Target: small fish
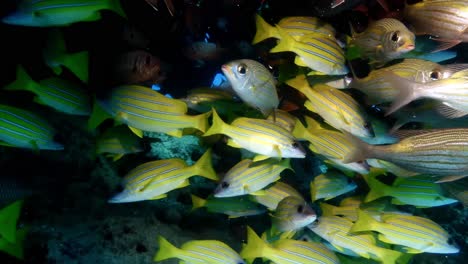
(445,20)
(418,191)
(198,251)
(317,52)
(143,109)
(231,206)
(337,108)
(451,92)
(297,27)
(330,185)
(60,94)
(271,196)
(117,141)
(258,136)
(23,129)
(253,83)
(335,230)
(292,213)
(379,90)
(441,152)
(59,13)
(287,251)
(416,233)
(247,177)
(152,180)
(138,67)
(383,40)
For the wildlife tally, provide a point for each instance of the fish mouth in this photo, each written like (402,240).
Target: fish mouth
(226,69)
(408,47)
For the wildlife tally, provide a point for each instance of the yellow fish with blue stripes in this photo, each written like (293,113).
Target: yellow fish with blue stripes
(335,230)
(296,26)
(198,252)
(338,109)
(286,251)
(152,180)
(23,129)
(53,13)
(259,136)
(320,53)
(143,109)
(417,234)
(247,177)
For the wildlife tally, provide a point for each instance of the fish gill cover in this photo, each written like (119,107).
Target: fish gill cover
(234,131)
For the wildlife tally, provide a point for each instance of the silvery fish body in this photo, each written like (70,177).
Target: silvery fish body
(253,83)
(384,40)
(446,20)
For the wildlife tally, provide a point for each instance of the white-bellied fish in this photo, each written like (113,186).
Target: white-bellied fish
(53,13)
(335,230)
(378,90)
(60,94)
(23,129)
(445,20)
(287,251)
(296,27)
(117,141)
(291,214)
(330,185)
(231,206)
(419,191)
(199,99)
(271,196)
(318,52)
(143,109)
(247,177)
(338,109)
(253,83)
(56,56)
(451,92)
(259,136)
(442,152)
(384,40)
(152,180)
(416,233)
(198,252)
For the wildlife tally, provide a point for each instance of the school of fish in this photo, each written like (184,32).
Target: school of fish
(356,126)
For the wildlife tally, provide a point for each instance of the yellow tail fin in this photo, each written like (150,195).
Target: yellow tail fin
(255,247)
(166,250)
(264,30)
(203,167)
(197,202)
(217,127)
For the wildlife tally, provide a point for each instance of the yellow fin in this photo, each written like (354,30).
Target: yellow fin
(260,158)
(161,196)
(136,131)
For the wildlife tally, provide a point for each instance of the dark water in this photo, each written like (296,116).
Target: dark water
(70,220)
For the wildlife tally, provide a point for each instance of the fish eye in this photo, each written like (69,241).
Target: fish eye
(395,36)
(295,145)
(224,185)
(300,208)
(435,75)
(242,68)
